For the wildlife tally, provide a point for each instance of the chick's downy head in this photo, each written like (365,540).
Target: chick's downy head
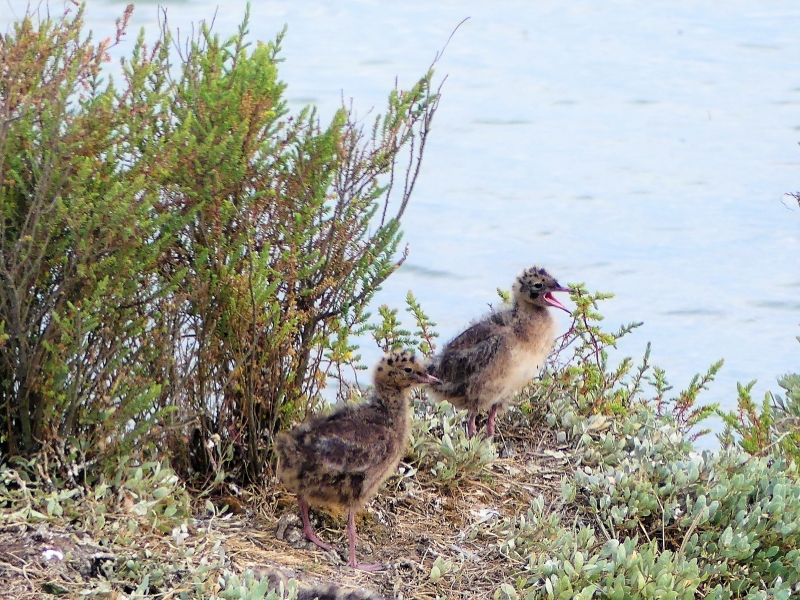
(402,369)
(536,286)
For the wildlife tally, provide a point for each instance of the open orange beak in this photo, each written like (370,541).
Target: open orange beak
(552,301)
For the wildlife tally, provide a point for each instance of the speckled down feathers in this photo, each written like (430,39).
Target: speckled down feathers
(339,461)
(497,355)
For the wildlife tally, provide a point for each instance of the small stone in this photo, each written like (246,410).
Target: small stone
(295,538)
(284,522)
(51,554)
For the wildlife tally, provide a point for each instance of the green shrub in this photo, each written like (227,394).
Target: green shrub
(81,235)
(774,430)
(180,251)
(654,519)
(294,227)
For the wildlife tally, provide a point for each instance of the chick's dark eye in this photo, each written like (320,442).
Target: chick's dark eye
(408,369)
(537,285)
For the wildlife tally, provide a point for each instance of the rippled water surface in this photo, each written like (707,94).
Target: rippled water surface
(641,148)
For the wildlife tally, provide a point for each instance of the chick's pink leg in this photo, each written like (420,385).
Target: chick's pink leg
(490,421)
(471,425)
(307,529)
(351,535)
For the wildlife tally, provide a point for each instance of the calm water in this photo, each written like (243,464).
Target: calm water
(641,149)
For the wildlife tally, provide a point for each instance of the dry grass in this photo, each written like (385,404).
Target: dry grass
(410,525)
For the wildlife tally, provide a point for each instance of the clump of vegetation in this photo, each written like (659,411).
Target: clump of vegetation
(579,369)
(775,430)
(183,260)
(656,519)
(294,228)
(82,235)
(440,446)
(112,516)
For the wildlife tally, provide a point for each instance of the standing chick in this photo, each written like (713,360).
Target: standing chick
(338,461)
(484,366)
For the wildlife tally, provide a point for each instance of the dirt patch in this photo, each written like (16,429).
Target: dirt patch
(48,559)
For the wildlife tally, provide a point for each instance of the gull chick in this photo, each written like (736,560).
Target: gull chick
(338,461)
(484,366)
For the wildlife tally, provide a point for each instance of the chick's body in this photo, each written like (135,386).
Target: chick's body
(494,358)
(484,366)
(338,461)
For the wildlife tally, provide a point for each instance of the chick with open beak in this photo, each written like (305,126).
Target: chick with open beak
(483,367)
